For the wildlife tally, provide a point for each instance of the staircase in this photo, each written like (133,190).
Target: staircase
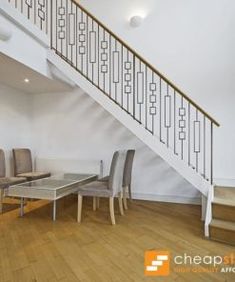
(131,89)
(222,226)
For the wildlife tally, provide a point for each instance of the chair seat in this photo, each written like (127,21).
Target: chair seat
(8,181)
(104,179)
(95,189)
(34,175)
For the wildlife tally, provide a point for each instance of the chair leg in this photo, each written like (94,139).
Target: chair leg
(111,209)
(79,209)
(97,202)
(130,194)
(1,199)
(124,198)
(120,197)
(94,203)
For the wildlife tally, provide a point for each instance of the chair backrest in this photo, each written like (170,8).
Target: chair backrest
(128,168)
(22,161)
(2,164)
(112,169)
(116,172)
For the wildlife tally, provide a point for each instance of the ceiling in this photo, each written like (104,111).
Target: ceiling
(13,73)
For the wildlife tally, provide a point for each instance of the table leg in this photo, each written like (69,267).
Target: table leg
(54,210)
(21,207)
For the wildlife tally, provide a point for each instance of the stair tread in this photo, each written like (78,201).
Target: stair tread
(224,195)
(225,202)
(222,224)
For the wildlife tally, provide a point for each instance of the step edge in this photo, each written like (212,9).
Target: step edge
(222,202)
(222,241)
(214,223)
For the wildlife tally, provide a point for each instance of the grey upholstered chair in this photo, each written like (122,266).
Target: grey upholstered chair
(109,189)
(23,166)
(127,175)
(5,182)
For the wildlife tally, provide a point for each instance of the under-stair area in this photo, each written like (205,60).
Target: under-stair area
(222,226)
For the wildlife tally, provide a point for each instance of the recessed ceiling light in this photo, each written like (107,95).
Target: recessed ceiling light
(136,21)
(26,80)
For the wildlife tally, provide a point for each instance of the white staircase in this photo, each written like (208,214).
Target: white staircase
(128,87)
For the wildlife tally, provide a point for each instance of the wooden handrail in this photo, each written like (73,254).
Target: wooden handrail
(147,64)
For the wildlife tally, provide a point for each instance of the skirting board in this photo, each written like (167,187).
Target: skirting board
(167,198)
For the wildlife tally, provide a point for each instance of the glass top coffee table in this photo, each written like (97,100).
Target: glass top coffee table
(51,188)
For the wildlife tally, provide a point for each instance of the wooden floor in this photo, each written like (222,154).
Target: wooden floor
(34,248)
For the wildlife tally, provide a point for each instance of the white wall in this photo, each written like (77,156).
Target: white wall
(192,42)
(15,121)
(73,126)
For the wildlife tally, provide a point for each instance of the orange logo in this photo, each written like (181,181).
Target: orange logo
(157,263)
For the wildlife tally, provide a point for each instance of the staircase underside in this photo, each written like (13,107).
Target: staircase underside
(127,120)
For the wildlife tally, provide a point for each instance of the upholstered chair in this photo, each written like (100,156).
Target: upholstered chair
(23,166)
(127,176)
(108,189)
(5,182)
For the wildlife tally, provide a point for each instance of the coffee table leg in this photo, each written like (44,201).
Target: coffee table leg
(54,210)
(21,207)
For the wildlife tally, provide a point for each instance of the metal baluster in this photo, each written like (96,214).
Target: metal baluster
(51,25)
(67,32)
(87,51)
(211,180)
(110,66)
(35,12)
(146,98)
(175,123)
(189,136)
(134,86)
(204,147)
(76,37)
(122,76)
(98,66)
(160,109)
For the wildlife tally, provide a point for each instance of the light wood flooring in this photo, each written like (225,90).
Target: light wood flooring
(34,248)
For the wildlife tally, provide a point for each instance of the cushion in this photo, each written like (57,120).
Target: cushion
(95,189)
(17,180)
(34,175)
(8,181)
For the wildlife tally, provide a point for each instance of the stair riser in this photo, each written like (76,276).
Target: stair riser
(223,212)
(222,235)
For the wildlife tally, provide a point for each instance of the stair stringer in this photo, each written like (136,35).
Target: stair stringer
(137,129)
